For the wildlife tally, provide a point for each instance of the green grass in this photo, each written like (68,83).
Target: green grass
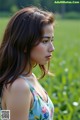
(3,24)
(64,87)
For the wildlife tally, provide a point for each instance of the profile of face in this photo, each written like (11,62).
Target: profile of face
(42,53)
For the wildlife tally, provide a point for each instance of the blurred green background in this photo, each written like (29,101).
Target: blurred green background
(64,87)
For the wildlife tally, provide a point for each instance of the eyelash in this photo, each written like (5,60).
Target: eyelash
(45,41)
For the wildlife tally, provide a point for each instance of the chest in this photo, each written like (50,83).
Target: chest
(41,92)
(42,107)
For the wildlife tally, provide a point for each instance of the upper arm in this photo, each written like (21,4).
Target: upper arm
(18,101)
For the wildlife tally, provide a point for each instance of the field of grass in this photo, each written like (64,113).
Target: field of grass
(64,87)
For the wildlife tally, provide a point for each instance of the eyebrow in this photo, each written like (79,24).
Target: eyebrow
(47,37)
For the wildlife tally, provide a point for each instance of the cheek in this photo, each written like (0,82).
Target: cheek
(38,49)
(37,52)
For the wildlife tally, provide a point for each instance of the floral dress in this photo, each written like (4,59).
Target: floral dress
(41,110)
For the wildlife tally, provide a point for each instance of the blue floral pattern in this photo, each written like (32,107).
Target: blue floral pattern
(40,110)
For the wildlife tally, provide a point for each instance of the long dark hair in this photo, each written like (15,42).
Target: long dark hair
(23,31)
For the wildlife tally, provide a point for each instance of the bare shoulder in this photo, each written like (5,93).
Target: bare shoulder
(19,99)
(18,89)
(19,85)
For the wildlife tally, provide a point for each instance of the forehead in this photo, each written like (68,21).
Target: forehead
(48,30)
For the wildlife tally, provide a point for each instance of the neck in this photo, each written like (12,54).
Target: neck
(26,72)
(27,69)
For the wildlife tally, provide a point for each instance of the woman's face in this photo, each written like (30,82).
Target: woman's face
(41,53)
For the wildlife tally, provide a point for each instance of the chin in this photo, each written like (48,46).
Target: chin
(43,63)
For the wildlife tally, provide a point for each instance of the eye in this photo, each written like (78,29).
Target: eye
(45,41)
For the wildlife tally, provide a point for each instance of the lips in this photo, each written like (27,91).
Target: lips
(48,56)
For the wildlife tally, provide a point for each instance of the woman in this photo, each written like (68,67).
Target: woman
(27,42)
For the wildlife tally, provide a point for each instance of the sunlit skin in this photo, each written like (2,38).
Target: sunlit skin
(19,97)
(41,53)
(27,41)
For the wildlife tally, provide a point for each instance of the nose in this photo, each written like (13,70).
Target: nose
(51,47)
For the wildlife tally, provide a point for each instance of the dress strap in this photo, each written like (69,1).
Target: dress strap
(33,90)
(29,83)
